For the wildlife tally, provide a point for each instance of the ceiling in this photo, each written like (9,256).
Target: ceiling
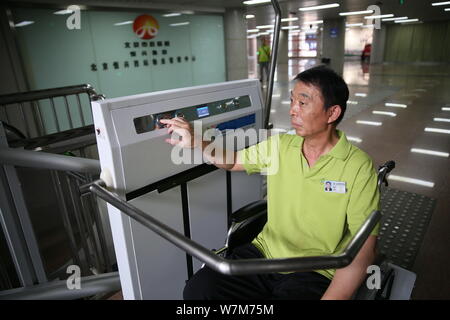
(264,13)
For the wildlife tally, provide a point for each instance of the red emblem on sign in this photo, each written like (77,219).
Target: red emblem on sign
(145,26)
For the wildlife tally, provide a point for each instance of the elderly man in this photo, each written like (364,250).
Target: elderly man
(304,219)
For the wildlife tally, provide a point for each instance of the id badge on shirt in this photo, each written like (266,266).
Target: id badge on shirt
(334,186)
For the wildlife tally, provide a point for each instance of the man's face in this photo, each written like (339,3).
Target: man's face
(308,115)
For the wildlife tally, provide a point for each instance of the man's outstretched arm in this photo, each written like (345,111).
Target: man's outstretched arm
(188,140)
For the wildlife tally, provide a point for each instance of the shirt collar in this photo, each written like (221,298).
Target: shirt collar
(339,151)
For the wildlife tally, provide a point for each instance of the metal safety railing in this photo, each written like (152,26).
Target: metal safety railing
(56,120)
(39,113)
(90,252)
(244,266)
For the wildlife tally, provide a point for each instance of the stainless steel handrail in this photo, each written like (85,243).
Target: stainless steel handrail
(273,61)
(43,160)
(58,290)
(239,267)
(49,93)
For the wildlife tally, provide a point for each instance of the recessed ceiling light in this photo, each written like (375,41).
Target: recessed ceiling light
(252,2)
(65,11)
(325,6)
(379,16)
(174,14)
(267,26)
(355,13)
(440,3)
(123,23)
(23,24)
(179,24)
(313,22)
(406,21)
(354,24)
(394,19)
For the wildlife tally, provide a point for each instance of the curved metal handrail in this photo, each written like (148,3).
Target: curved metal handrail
(239,267)
(50,93)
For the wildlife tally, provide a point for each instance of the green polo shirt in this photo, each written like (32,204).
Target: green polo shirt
(304,217)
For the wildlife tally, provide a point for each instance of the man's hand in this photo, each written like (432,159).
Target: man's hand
(185,130)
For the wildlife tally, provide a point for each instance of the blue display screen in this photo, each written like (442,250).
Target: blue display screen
(202,112)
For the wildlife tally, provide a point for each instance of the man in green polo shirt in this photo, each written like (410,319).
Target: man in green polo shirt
(320,190)
(263,54)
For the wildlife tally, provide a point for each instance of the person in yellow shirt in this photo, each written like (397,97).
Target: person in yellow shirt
(323,190)
(264,59)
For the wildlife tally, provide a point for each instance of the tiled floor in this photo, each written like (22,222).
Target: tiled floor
(424,89)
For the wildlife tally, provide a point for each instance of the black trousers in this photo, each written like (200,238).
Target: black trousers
(207,284)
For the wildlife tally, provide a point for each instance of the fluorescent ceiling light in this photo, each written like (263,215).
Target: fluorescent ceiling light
(354,24)
(394,19)
(437,130)
(352,102)
(361,94)
(407,20)
(370,123)
(276,95)
(289,19)
(286,102)
(411,180)
(354,139)
(313,22)
(434,4)
(441,119)
(252,2)
(392,114)
(179,24)
(325,6)
(430,152)
(175,14)
(123,23)
(65,11)
(267,26)
(23,24)
(447,9)
(187,12)
(355,13)
(290,27)
(445,109)
(252,30)
(368,26)
(395,105)
(263,33)
(379,16)
(249,16)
